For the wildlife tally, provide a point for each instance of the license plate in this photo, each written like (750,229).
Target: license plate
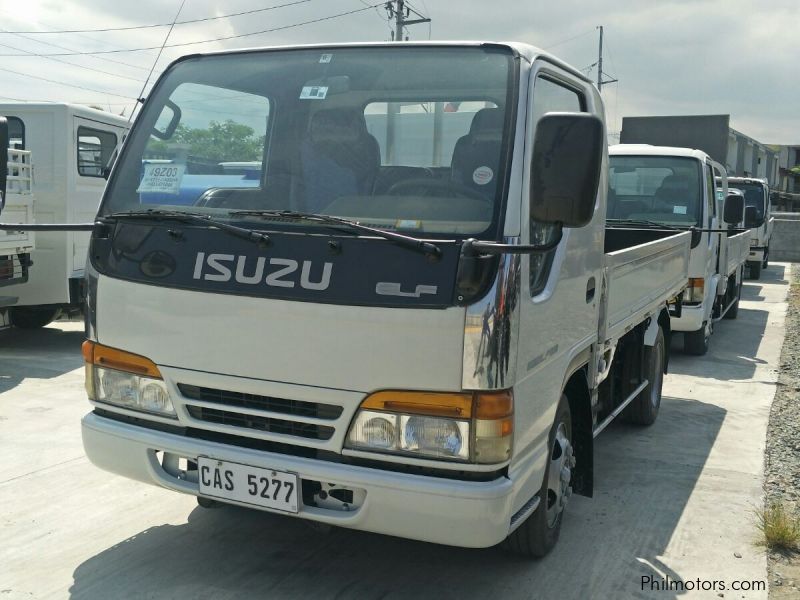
(266,488)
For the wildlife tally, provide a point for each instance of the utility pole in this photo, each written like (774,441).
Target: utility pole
(400,12)
(600,80)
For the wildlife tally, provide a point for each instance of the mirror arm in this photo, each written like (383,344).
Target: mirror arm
(473,247)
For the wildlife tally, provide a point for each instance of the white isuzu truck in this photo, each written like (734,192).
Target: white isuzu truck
(758,218)
(409,319)
(16,203)
(661,186)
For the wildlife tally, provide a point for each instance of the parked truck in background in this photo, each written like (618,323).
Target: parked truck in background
(16,201)
(758,218)
(675,188)
(72,146)
(418,336)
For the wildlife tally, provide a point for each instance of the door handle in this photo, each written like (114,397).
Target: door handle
(590,290)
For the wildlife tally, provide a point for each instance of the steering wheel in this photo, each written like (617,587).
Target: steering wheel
(443,186)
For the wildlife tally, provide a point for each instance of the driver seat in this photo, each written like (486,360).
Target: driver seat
(476,156)
(339,157)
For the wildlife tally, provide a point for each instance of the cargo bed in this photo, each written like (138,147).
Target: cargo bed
(644,268)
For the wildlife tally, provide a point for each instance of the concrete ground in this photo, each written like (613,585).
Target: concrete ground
(675,500)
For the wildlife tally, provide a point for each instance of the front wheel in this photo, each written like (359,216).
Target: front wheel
(733,311)
(539,533)
(765,264)
(644,409)
(755,270)
(696,342)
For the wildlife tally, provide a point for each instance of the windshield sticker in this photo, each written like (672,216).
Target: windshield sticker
(679,210)
(408,224)
(325,59)
(482,175)
(314,92)
(163,178)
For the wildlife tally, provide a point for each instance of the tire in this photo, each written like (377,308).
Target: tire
(26,317)
(539,533)
(644,409)
(755,270)
(733,311)
(696,342)
(765,264)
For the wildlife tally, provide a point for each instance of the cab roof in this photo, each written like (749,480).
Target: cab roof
(526,51)
(649,150)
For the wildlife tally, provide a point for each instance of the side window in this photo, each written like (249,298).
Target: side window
(95,148)
(16,133)
(711,195)
(549,95)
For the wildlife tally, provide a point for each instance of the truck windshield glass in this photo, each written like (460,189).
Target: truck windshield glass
(753,196)
(662,189)
(409,139)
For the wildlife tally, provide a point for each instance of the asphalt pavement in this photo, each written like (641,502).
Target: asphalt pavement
(673,502)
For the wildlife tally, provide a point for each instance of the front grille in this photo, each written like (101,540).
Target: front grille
(277,405)
(259,423)
(241,410)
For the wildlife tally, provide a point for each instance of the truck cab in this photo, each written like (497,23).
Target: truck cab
(72,146)
(758,218)
(676,188)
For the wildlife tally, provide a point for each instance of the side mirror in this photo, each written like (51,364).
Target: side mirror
(4,141)
(733,213)
(750,216)
(567,157)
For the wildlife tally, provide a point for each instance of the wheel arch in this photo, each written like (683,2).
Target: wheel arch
(579,396)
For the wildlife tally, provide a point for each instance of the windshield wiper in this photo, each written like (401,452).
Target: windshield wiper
(406,241)
(176,215)
(646,222)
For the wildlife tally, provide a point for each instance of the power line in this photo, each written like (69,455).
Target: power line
(219,39)
(64,62)
(400,11)
(575,37)
(150,74)
(79,87)
(155,25)
(53,45)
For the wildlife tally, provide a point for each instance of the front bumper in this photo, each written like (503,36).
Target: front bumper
(431,509)
(691,319)
(756,254)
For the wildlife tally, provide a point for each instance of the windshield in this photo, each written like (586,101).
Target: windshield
(410,139)
(753,196)
(663,189)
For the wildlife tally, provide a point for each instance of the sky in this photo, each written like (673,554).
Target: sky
(671,57)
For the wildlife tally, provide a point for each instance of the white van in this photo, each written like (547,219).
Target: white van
(71,146)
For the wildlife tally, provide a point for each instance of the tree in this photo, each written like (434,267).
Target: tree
(220,142)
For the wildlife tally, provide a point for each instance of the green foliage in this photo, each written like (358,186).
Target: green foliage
(220,142)
(779,527)
(795,170)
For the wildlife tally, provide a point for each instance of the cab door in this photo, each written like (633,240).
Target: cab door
(93,145)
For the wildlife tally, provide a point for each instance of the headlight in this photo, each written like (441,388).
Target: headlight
(464,427)
(695,291)
(126,380)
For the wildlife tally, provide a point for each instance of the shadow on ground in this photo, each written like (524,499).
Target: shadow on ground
(644,478)
(38,354)
(734,345)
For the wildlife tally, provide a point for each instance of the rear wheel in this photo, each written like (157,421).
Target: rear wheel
(644,409)
(28,317)
(755,270)
(696,342)
(539,533)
